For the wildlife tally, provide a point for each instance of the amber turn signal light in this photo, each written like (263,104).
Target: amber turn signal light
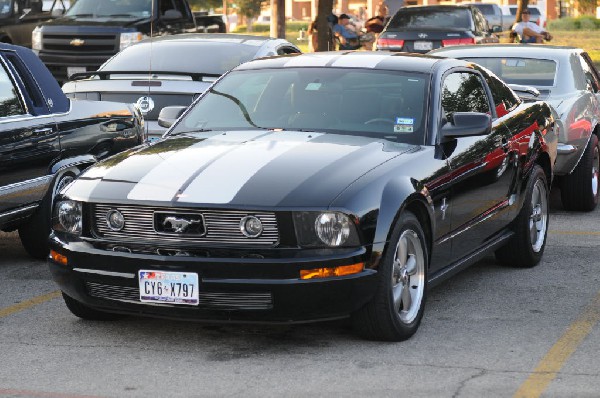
(329,272)
(58,258)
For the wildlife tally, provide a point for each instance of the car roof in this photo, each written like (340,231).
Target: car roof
(356,59)
(508,50)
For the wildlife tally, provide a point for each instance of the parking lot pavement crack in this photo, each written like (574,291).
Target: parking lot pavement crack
(463,383)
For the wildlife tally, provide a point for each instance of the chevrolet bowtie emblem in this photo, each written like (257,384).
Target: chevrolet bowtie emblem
(77,42)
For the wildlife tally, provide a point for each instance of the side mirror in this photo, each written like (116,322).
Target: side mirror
(467,124)
(172,15)
(496,29)
(169,114)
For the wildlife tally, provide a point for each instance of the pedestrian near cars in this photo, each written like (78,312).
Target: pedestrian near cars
(348,37)
(530,32)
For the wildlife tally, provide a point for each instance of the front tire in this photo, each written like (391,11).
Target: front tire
(526,247)
(579,190)
(34,233)
(396,310)
(82,311)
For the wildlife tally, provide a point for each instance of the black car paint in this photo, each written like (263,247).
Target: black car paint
(374,185)
(36,146)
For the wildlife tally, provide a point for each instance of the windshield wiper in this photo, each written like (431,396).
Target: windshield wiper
(119,15)
(80,15)
(189,132)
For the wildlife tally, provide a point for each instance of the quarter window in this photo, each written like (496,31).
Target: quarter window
(10,105)
(590,76)
(464,92)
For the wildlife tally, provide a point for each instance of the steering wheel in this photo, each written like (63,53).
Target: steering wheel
(380,120)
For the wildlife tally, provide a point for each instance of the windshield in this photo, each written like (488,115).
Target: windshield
(111,8)
(532,11)
(386,104)
(420,18)
(215,57)
(525,71)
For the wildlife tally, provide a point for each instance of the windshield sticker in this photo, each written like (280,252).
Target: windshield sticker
(403,128)
(405,120)
(313,86)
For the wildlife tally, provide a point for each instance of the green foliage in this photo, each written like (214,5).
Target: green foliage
(586,22)
(249,8)
(290,27)
(204,5)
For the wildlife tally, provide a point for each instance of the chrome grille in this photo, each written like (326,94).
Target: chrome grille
(222,227)
(208,300)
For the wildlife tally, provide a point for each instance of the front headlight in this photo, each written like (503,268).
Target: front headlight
(129,38)
(36,39)
(68,216)
(330,229)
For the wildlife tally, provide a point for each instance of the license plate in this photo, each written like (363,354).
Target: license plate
(168,287)
(75,69)
(423,45)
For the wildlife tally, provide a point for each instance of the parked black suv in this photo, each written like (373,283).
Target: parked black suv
(92,31)
(422,29)
(46,140)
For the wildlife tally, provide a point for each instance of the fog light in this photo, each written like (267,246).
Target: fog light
(329,272)
(115,220)
(58,258)
(251,227)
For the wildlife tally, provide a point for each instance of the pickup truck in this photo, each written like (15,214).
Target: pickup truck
(18,18)
(46,140)
(92,31)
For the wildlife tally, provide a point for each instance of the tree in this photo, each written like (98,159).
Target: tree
(205,4)
(521,5)
(324,34)
(250,9)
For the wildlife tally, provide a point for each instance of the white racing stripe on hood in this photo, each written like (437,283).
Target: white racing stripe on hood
(164,181)
(366,61)
(311,60)
(223,179)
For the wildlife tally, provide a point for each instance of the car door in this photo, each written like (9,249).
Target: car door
(593,81)
(481,179)
(28,139)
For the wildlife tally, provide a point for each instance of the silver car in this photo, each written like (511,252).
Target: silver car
(170,70)
(567,79)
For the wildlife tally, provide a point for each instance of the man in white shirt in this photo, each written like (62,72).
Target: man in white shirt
(530,32)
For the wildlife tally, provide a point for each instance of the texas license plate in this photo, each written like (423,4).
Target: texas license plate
(71,70)
(423,45)
(168,287)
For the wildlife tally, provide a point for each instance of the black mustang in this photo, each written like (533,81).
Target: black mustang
(312,187)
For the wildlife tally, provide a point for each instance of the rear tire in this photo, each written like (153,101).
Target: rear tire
(84,312)
(34,233)
(526,247)
(579,190)
(396,310)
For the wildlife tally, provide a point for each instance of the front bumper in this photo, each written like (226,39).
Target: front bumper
(231,289)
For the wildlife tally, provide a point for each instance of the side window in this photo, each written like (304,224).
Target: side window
(590,75)
(10,104)
(464,92)
(505,100)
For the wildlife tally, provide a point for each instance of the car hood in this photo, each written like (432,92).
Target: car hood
(242,169)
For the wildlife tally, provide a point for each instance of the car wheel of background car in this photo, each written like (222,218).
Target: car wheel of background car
(526,247)
(395,312)
(579,190)
(34,234)
(84,312)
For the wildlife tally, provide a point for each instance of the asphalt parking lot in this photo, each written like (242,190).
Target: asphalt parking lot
(491,330)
